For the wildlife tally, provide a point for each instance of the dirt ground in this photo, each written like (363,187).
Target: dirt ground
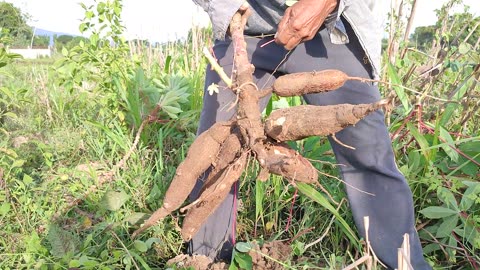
(276,250)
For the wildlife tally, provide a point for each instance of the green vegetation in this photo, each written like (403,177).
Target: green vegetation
(73,123)
(14,22)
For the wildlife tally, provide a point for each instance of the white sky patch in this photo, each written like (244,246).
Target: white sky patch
(162,20)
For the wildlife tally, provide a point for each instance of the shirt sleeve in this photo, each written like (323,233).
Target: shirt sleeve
(220,13)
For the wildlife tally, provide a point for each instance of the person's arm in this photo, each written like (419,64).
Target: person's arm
(302,20)
(221,13)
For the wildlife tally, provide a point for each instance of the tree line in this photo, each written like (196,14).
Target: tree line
(13,23)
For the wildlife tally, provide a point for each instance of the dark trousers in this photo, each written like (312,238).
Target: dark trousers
(370,167)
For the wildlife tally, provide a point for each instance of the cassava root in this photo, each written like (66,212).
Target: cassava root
(196,162)
(303,121)
(297,84)
(222,151)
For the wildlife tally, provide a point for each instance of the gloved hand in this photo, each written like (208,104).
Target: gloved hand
(302,21)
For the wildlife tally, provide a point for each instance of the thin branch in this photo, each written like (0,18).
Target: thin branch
(341,143)
(217,68)
(327,229)
(126,249)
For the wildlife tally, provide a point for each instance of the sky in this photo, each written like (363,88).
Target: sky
(162,20)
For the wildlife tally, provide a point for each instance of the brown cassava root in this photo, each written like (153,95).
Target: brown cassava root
(304,121)
(196,162)
(297,84)
(224,149)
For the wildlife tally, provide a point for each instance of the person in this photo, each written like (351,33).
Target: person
(313,35)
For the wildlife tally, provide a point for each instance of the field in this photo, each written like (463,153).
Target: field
(91,139)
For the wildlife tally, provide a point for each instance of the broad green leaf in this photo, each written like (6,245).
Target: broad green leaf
(114,200)
(27,179)
(244,260)
(431,248)
(447,226)
(4,209)
(436,212)
(62,242)
(243,247)
(172,111)
(140,246)
(447,197)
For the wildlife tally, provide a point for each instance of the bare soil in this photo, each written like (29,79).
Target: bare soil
(263,258)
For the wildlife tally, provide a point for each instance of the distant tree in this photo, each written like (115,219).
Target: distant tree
(67,41)
(63,39)
(41,41)
(466,27)
(423,36)
(15,21)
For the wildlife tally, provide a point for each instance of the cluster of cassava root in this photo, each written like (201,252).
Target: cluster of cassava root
(224,149)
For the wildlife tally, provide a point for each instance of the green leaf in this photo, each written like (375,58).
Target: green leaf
(476,138)
(4,209)
(436,212)
(64,52)
(140,246)
(398,87)
(243,247)
(136,218)
(62,242)
(447,197)
(449,149)
(27,179)
(281,103)
(114,200)
(17,163)
(447,226)
(74,264)
(421,140)
(464,48)
(172,111)
(152,240)
(244,260)
(470,196)
(320,199)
